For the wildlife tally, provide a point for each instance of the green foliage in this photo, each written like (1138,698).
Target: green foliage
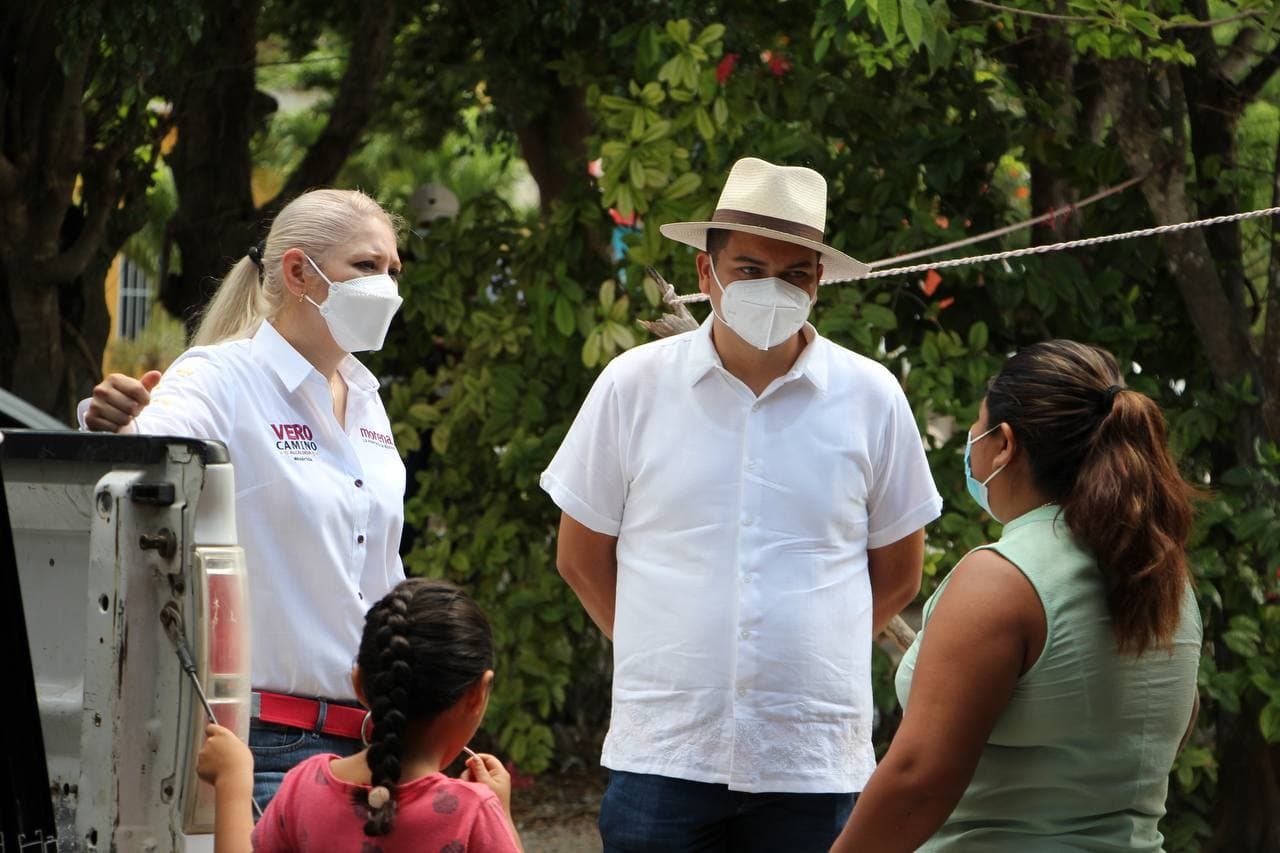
(156,346)
(926,133)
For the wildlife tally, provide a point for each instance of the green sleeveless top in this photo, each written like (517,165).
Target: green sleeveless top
(1080,758)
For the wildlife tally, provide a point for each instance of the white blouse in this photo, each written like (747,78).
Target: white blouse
(319,508)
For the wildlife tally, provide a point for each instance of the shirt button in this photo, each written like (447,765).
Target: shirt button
(359,483)
(742,691)
(747,578)
(751,464)
(360,539)
(746,635)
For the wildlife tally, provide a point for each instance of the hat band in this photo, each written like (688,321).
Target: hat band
(786,226)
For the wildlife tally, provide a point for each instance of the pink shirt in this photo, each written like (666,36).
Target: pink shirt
(436,814)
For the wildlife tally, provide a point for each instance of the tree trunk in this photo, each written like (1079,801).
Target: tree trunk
(1043,64)
(1219,319)
(214,223)
(217,113)
(1248,816)
(1204,268)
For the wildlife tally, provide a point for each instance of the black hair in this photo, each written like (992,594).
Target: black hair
(718,238)
(425,644)
(1100,450)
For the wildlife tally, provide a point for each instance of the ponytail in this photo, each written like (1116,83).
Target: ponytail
(1101,451)
(237,309)
(1132,509)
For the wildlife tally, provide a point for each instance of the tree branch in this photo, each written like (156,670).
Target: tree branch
(1253,82)
(1270,357)
(1140,134)
(100,198)
(1102,19)
(371,45)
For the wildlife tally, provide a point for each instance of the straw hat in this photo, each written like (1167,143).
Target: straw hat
(783,202)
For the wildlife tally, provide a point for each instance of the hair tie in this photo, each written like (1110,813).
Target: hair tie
(255,255)
(1109,398)
(379,796)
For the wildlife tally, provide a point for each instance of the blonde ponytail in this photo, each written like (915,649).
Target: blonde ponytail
(237,309)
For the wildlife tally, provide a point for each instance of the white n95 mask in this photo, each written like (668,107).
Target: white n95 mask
(358,311)
(764,312)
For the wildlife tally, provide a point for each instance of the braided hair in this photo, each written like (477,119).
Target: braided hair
(424,645)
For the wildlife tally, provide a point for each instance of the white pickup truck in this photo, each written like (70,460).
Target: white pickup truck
(105,534)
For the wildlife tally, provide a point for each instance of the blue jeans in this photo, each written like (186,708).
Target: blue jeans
(276,749)
(657,813)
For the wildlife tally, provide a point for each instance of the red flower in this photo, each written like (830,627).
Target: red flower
(931,282)
(619,219)
(779,65)
(725,68)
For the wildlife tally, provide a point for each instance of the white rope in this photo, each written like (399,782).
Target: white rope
(1037,250)
(1064,212)
(1069,244)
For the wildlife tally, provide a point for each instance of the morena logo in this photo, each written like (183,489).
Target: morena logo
(379,438)
(294,437)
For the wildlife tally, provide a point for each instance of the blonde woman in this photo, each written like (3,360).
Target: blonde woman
(320,485)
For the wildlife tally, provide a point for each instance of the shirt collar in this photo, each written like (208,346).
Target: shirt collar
(813,363)
(270,349)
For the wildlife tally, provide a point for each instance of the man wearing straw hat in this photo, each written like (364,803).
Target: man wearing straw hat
(743,510)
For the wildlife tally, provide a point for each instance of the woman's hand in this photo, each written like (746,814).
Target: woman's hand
(118,399)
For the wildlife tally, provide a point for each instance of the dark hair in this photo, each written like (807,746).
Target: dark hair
(1100,450)
(424,645)
(718,238)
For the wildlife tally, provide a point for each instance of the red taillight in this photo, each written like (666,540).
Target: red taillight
(222,656)
(228,620)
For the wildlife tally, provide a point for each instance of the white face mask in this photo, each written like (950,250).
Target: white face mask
(764,312)
(359,311)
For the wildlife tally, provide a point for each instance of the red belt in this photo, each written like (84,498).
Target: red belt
(285,710)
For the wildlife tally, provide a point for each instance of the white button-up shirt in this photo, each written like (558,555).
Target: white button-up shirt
(319,509)
(742,631)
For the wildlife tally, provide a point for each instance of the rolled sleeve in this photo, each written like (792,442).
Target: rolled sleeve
(586,478)
(903,497)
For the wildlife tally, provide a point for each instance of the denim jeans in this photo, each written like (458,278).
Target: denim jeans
(276,749)
(657,813)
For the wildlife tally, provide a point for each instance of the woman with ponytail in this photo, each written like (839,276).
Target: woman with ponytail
(424,671)
(1054,678)
(319,483)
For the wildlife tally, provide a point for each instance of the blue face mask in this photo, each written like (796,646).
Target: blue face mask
(979,489)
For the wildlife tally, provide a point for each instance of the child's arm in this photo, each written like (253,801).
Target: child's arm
(226,763)
(488,770)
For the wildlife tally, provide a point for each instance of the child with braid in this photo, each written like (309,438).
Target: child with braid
(424,671)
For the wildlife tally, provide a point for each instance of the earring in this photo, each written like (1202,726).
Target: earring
(365,724)
(302,297)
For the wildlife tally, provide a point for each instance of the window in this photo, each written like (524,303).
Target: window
(133,304)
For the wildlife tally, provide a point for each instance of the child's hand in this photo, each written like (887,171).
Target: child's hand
(488,770)
(224,758)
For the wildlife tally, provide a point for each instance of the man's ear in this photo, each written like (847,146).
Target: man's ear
(703,263)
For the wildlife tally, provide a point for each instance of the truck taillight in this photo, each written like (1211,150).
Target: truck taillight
(222,660)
